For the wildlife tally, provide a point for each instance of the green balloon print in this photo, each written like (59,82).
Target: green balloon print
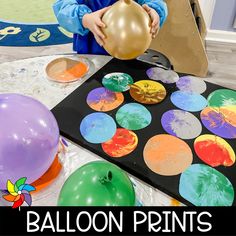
(133,116)
(222,98)
(202,185)
(98,183)
(117,82)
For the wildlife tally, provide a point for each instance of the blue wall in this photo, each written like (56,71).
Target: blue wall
(224,15)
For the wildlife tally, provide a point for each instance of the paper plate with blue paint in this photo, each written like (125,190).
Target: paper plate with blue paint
(98,128)
(186,101)
(222,98)
(191,84)
(204,186)
(181,124)
(133,116)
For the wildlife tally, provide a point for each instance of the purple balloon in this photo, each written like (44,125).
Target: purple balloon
(29,138)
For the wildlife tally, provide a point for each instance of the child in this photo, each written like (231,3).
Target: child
(83,18)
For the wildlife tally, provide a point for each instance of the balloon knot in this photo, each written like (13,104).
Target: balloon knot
(107,178)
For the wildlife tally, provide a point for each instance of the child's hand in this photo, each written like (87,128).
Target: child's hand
(155,20)
(93,22)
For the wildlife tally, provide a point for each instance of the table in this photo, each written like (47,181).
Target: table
(28,77)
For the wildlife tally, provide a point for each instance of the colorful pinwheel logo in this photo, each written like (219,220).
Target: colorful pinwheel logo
(19,193)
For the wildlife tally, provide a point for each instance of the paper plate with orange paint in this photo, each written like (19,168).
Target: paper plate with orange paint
(51,174)
(67,69)
(102,99)
(123,143)
(167,155)
(214,151)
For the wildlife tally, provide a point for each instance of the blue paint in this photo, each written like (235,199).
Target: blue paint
(192,102)
(97,128)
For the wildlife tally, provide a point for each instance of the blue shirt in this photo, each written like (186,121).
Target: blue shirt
(69,14)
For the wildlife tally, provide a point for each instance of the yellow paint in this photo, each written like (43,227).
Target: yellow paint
(148,92)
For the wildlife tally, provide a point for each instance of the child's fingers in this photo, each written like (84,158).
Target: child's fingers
(99,33)
(155,29)
(146,8)
(155,21)
(101,24)
(99,40)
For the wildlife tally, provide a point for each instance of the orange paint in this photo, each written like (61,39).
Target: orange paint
(167,155)
(49,176)
(122,144)
(174,202)
(66,70)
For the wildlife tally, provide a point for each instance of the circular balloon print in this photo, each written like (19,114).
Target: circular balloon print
(166,76)
(167,155)
(181,124)
(191,84)
(204,186)
(97,128)
(123,143)
(214,151)
(188,101)
(102,99)
(133,116)
(148,92)
(117,82)
(220,121)
(222,97)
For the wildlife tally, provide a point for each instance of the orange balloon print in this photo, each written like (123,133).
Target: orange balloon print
(102,99)
(167,155)
(123,143)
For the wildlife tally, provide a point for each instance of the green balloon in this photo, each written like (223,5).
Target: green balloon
(97,184)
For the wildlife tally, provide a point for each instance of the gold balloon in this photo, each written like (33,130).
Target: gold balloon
(127,30)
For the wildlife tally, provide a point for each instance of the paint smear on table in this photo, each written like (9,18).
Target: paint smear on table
(220,121)
(133,116)
(214,151)
(181,124)
(117,82)
(66,70)
(123,143)
(175,202)
(167,155)
(165,76)
(102,99)
(192,102)
(48,177)
(148,92)
(191,84)
(204,186)
(98,128)
(222,98)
